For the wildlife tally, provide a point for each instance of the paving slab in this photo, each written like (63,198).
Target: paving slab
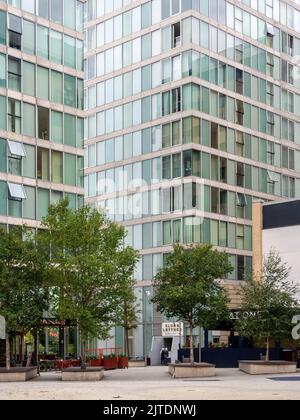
(154,383)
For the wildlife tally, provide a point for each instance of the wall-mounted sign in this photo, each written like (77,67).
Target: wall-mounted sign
(2,328)
(235,316)
(172,329)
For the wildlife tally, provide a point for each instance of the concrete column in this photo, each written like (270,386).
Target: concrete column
(257,234)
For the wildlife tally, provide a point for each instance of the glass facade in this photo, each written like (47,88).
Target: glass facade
(193,112)
(41,108)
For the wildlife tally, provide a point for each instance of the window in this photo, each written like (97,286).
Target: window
(14,74)
(43,164)
(28,120)
(42,42)
(16,191)
(176,35)
(16,152)
(43,123)
(43,8)
(2,70)
(16,148)
(28,37)
(56,11)
(70,130)
(14,116)
(70,91)
(56,47)
(15,31)
(43,202)
(2,27)
(69,52)
(57,167)
(43,83)
(70,177)
(56,87)
(56,127)
(28,78)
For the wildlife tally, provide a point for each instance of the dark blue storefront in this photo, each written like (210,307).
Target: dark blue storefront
(240,350)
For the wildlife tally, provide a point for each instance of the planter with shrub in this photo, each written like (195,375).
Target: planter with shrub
(110,362)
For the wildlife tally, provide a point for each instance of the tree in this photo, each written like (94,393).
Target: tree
(128,313)
(91,266)
(186,288)
(24,295)
(272,302)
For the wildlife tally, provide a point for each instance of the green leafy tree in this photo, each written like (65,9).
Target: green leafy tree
(186,288)
(91,267)
(128,313)
(24,293)
(272,302)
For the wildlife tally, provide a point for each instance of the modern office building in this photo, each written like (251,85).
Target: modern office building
(41,111)
(193,111)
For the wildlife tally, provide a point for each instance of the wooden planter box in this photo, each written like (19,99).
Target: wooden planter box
(267,368)
(110,363)
(78,375)
(123,362)
(186,370)
(18,374)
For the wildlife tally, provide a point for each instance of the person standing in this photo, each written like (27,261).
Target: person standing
(166,356)
(162,356)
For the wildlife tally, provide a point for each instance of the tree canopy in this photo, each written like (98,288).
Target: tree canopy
(272,301)
(24,291)
(91,266)
(187,288)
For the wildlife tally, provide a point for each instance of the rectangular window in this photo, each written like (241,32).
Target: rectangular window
(43,170)
(15,31)
(14,116)
(42,83)
(28,78)
(70,91)
(14,74)
(56,87)
(43,123)
(69,52)
(70,130)
(42,42)
(57,167)
(28,120)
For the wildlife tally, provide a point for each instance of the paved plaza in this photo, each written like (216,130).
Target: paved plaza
(154,383)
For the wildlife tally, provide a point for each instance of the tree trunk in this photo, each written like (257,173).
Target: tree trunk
(268,350)
(192,359)
(83,355)
(7,351)
(127,342)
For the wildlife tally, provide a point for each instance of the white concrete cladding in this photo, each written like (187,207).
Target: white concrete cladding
(286,241)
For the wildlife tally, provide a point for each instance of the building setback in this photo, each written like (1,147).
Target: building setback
(41,109)
(193,111)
